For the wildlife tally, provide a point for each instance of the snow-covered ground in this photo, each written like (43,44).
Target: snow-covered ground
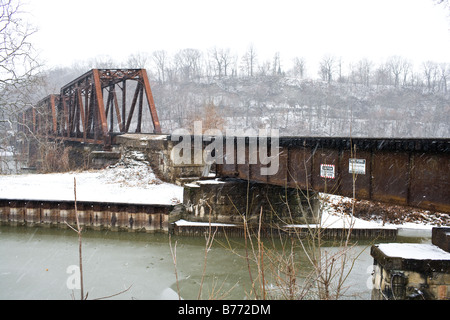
(129,181)
(333,218)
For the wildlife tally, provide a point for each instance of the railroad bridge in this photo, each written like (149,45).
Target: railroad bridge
(95,109)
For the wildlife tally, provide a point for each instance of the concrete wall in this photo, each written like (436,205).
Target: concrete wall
(399,276)
(97,216)
(409,285)
(158,150)
(230,200)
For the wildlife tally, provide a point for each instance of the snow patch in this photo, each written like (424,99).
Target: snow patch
(215,181)
(129,181)
(131,171)
(415,251)
(185,223)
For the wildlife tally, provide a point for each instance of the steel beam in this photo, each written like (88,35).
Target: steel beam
(410,172)
(150,101)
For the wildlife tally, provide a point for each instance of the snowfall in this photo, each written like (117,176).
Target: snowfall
(133,181)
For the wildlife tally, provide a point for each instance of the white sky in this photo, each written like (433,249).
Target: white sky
(352,29)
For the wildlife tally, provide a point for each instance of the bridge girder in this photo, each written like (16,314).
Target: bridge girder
(407,172)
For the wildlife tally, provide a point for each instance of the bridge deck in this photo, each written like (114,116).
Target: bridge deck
(411,172)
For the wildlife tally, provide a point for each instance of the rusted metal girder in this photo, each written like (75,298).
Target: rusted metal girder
(41,119)
(410,172)
(80,112)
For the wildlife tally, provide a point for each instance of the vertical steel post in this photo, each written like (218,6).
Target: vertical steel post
(100,106)
(151,102)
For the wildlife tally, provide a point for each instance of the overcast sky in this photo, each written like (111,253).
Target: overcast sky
(352,29)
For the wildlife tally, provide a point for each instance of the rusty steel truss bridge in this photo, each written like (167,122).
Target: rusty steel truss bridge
(414,172)
(93,108)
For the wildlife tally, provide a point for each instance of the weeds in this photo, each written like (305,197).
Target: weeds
(302,263)
(79,230)
(290,263)
(217,290)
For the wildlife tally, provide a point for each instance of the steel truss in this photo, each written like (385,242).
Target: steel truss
(94,108)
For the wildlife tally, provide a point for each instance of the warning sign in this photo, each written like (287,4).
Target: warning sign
(357,166)
(327,171)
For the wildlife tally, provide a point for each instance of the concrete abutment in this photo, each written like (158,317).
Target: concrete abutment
(232,200)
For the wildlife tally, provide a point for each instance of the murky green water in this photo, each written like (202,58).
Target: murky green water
(37,263)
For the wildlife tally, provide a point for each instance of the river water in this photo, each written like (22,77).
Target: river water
(39,263)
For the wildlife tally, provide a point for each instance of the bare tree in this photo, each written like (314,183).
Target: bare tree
(188,63)
(395,64)
(299,69)
(382,75)
(138,60)
(444,71)
(400,68)
(364,71)
(444,3)
(249,60)
(361,72)
(17,59)
(407,71)
(221,59)
(160,59)
(327,68)
(339,70)
(430,71)
(227,59)
(264,68)
(276,67)
(18,68)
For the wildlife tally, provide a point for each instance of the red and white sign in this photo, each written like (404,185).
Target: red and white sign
(327,171)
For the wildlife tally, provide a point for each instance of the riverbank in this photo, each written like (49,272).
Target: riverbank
(408,221)
(129,181)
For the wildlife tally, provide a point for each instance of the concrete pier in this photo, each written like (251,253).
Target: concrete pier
(157,149)
(411,271)
(232,200)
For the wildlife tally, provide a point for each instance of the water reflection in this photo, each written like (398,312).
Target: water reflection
(34,263)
